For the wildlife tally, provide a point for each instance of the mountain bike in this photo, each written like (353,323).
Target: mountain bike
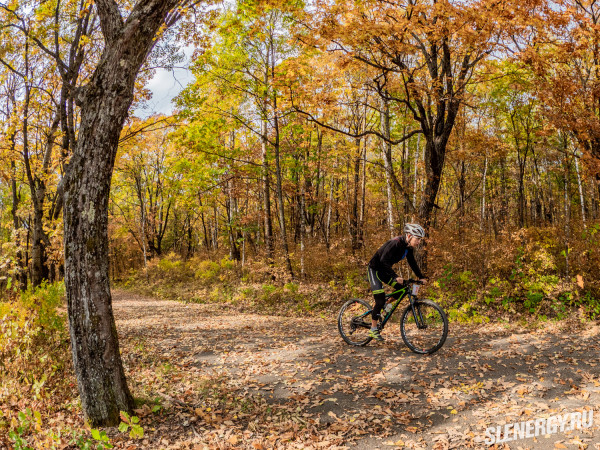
(423,324)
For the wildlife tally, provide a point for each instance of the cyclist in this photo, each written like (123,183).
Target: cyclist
(380,268)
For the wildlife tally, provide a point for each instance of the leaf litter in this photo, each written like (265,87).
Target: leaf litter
(212,377)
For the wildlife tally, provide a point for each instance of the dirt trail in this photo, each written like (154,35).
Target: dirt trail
(313,390)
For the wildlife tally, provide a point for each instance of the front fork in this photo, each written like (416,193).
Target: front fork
(417,315)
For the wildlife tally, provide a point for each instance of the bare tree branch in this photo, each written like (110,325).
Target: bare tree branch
(322,124)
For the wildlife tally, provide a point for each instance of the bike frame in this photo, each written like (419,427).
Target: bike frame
(395,305)
(405,293)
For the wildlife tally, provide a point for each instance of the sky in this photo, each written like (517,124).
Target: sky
(165,85)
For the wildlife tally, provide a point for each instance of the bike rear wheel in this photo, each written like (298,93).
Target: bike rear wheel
(427,332)
(354,322)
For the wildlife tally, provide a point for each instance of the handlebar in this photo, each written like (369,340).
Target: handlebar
(412,281)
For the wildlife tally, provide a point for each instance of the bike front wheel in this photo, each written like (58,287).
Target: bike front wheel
(424,331)
(354,322)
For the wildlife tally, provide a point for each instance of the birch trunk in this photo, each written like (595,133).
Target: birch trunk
(483,195)
(329,210)
(386,148)
(581,198)
(361,221)
(567,229)
(266,182)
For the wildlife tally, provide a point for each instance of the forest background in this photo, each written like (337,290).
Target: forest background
(311,133)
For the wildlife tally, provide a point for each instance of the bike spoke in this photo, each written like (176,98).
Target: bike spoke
(354,322)
(428,330)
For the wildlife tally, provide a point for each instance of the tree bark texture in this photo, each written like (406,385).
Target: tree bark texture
(354,225)
(435,155)
(104,103)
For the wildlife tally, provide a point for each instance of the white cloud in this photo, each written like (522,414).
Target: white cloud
(165,86)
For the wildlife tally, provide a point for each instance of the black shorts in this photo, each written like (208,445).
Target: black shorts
(377,279)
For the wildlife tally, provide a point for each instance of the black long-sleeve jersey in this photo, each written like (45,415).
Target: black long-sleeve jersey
(392,252)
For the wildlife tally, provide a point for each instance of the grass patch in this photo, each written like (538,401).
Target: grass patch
(251,288)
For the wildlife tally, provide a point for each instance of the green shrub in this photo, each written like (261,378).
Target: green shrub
(207,270)
(496,290)
(227,264)
(291,287)
(454,287)
(466,313)
(131,424)
(36,363)
(532,300)
(33,336)
(592,304)
(168,265)
(45,300)
(269,291)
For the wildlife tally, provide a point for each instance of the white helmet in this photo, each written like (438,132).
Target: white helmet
(414,229)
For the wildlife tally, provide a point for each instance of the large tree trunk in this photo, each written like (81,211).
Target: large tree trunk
(416,169)
(94,341)
(435,154)
(104,102)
